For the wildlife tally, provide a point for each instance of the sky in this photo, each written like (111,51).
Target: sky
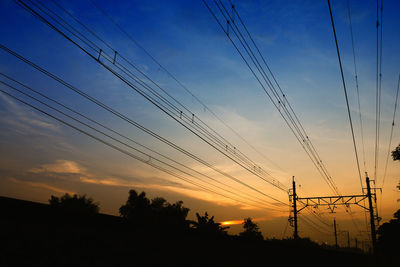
(42,156)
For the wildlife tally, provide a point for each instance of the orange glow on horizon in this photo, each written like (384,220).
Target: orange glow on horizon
(234,222)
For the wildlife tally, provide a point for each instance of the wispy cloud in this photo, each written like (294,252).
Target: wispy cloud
(60,166)
(62,173)
(24,120)
(42,185)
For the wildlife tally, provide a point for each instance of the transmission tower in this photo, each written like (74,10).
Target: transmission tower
(297,204)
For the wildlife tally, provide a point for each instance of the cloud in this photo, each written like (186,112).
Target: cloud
(42,185)
(60,166)
(24,120)
(31,130)
(166,185)
(69,173)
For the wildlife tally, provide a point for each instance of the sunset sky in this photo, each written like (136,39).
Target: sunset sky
(41,157)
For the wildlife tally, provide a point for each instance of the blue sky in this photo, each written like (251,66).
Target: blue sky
(294,36)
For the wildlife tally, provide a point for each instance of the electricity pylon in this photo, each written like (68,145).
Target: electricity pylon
(300,203)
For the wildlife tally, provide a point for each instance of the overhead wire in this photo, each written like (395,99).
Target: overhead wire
(318,217)
(282,101)
(238,192)
(285,102)
(378,83)
(314,225)
(300,130)
(255,61)
(278,103)
(380,72)
(188,124)
(391,133)
(148,162)
(142,73)
(173,77)
(357,85)
(240,53)
(96,46)
(359,108)
(347,104)
(135,124)
(345,93)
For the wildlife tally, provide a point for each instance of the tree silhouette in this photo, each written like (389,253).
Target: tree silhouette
(396,153)
(207,225)
(177,213)
(389,235)
(251,230)
(76,204)
(171,216)
(158,203)
(398,188)
(396,156)
(136,209)
(158,212)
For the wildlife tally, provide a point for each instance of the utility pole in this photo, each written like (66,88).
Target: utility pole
(372,218)
(331,202)
(295,233)
(348,239)
(334,227)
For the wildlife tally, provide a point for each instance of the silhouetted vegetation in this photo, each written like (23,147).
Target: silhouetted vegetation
(396,153)
(389,237)
(143,213)
(207,226)
(251,230)
(398,188)
(396,156)
(137,207)
(76,203)
(148,233)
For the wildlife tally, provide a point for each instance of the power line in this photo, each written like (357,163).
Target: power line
(95,35)
(283,101)
(359,106)
(359,109)
(345,93)
(380,70)
(350,212)
(391,132)
(134,41)
(314,225)
(304,141)
(148,162)
(318,217)
(181,117)
(135,124)
(357,87)
(378,82)
(252,198)
(278,102)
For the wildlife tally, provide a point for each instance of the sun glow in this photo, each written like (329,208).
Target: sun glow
(234,222)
